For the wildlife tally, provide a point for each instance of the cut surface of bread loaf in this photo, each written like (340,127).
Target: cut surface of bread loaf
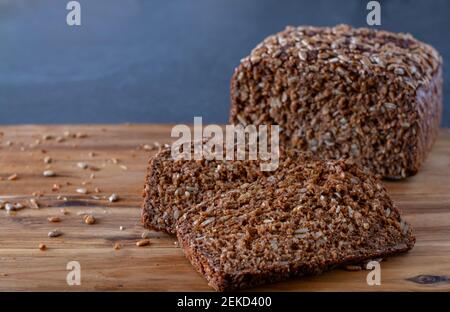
(173,186)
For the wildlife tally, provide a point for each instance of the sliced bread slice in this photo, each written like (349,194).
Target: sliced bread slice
(307,218)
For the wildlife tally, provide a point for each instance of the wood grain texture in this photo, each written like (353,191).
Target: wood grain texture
(424,199)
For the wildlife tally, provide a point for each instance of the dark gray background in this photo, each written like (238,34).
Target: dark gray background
(161,61)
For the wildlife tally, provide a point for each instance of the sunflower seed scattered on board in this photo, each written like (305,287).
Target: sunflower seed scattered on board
(54,233)
(80,135)
(89,219)
(147,147)
(42,246)
(121,228)
(13,207)
(113,198)
(47,137)
(9,207)
(82,190)
(33,203)
(48,173)
(13,177)
(47,159)
(54,219)
(117,246)
(143,242)
(82,165)
(60,139)
(18,206)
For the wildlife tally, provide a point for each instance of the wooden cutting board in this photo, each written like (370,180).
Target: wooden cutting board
(119,162)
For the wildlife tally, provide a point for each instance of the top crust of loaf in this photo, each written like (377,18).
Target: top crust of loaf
(371,50)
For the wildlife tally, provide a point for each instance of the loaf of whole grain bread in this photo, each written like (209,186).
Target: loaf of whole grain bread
(306,218)
(341,92)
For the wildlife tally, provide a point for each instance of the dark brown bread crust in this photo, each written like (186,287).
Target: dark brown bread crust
(308,218)
(372,96)
(429,107)
(148,211)
(229,282)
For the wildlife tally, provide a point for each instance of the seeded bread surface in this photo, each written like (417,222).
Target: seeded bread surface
(309,217)
(173,186)
(342,92)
